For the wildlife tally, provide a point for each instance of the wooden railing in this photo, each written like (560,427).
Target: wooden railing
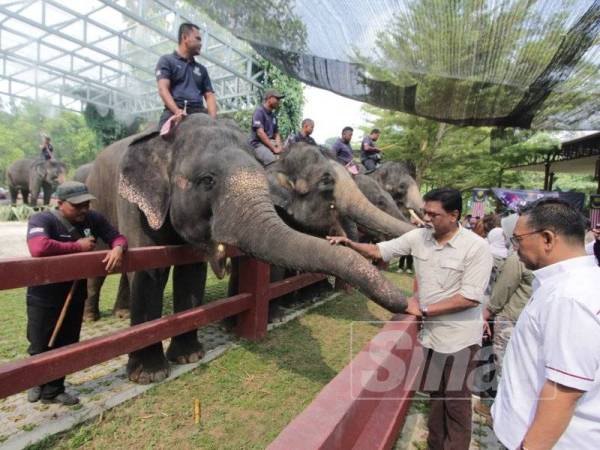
(251,306)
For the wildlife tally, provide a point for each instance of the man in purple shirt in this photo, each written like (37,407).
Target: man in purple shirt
(342,148)
(370,154)
(70,229)
(265,138)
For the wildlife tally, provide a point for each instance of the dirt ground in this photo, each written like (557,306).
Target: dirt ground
(12,239)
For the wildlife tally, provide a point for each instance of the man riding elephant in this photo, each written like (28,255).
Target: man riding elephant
(203,188)
(30,176)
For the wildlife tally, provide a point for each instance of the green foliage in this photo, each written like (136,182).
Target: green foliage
(19,213)
(107,128)
(21,129)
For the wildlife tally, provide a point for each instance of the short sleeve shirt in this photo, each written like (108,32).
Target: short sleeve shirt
(369,142)
(265,119)
(343,151)
(299,137)
(557,338)
(189,79)
(48,225)
(461,266)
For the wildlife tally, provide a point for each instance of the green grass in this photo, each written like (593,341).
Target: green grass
(249,394)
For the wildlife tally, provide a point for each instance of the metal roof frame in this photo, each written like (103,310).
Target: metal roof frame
(72,53)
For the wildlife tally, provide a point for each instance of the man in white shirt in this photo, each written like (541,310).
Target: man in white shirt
(453,267)
(549,394)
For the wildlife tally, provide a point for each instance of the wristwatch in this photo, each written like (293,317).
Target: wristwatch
(424,311)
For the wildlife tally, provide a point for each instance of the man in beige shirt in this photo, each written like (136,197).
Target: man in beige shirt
(452,267)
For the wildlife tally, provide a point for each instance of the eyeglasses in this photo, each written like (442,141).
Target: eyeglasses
(516,238)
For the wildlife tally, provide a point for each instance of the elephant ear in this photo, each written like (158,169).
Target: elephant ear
(144,178)
(280,189)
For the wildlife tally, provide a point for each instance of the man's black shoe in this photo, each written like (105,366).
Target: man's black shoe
(62,398)
(34,394)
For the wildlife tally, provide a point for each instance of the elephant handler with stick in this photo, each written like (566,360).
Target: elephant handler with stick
(55,311)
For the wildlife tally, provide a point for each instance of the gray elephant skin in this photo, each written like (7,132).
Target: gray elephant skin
(202,187)
(82,172)
(396,178)
(32,176)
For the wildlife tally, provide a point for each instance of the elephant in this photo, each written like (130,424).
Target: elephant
(82,172)
(397,178)
(203,187)
(30,176)
(317,195)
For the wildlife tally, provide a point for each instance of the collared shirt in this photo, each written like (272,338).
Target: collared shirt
(460,266)
(189,79)
(512,289)
(368,142)
(343,151)
(557,338)
(265,119)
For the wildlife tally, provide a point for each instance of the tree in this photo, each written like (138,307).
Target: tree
(107,128)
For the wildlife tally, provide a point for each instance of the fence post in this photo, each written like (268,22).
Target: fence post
(254,279)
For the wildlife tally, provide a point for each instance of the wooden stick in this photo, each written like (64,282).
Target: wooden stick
(63,313)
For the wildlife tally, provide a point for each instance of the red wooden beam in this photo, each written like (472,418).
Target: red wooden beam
(22,374)
(254,278)
(293,284)
(365,405)
(22,272)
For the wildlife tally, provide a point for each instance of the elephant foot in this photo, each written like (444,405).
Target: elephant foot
(148,371)
(185,349)
(121,313)
(91,314)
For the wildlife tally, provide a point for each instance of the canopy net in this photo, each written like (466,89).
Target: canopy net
(505,63)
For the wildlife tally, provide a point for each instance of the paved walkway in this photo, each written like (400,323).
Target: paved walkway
(12,239)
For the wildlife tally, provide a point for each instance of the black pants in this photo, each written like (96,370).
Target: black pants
(445,378)
(370,163)
(191,109)
(42,315)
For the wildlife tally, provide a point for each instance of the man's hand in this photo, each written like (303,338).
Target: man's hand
(487,315)
(87,244)
(179,115)
(596,233)
(413,307)
(114,259)
(338,240)
(276,150)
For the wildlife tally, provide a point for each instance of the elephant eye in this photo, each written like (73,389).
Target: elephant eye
(327,178)
(205,181)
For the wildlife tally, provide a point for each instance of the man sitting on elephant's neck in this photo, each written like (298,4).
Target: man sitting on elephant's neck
(265,138)
(304,135)
(46,149)
(342,147)
(183,83)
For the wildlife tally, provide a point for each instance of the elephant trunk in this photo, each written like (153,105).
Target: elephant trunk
(414,200)
(246,218)
(352,202)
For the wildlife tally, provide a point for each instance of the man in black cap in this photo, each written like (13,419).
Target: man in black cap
(183,83)
(72,228)
(265,138)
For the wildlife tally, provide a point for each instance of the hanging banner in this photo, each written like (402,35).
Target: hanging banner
(595,210)
(478,202)
(514,199)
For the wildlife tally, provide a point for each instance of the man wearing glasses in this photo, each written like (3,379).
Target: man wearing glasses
(549,393)
(72,228)
(452,266)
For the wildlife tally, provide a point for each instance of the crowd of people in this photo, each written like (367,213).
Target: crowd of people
(527,280)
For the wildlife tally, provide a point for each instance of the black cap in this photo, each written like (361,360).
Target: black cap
(273,93)
(74,192)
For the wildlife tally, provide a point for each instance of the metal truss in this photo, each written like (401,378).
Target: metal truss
(74,52)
